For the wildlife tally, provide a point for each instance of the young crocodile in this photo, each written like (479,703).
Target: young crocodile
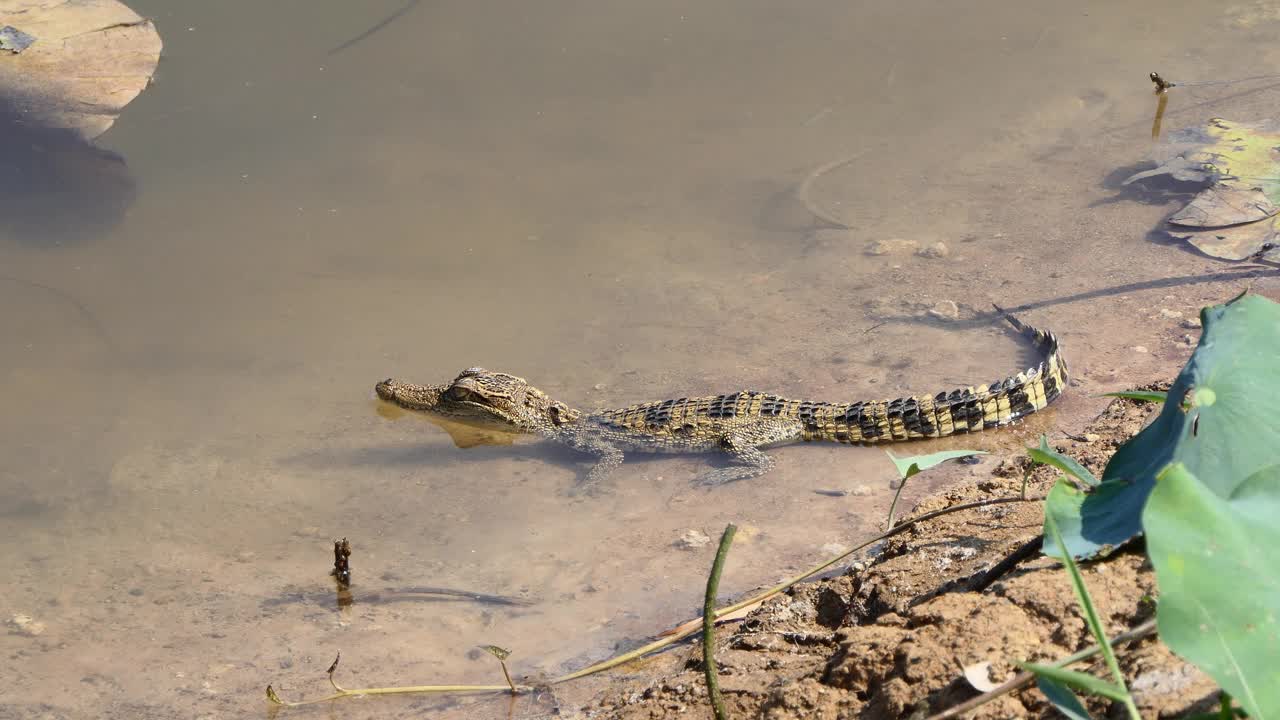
(739,424)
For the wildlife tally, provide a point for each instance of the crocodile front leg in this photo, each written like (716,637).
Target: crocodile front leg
(752,462)
(608,458)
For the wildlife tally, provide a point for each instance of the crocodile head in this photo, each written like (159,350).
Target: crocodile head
(482,399)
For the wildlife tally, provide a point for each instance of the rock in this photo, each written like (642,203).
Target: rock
(692,540)
(894,246)
(945,310)
(861,490)
(1171,314)
(26,625)
(1092,437)
(1138,349)
(1191,323)
(934,251)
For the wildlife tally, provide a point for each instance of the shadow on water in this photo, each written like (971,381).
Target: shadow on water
(56,188)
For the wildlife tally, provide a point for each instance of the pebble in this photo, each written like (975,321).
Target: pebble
(861,490)
(1171,314)
(945,310)
(1092,437)
(1139,349)
(692,540)
(936,250)
(1191,323)
(893,245)
(26,625)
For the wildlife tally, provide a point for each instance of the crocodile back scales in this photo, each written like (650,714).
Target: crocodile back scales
(681,422)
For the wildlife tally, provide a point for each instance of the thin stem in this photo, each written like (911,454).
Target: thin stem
(709,624)
(888,524)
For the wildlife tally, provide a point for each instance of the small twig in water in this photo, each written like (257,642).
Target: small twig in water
(342,563)
(385,22)
(802,190)
(709,624)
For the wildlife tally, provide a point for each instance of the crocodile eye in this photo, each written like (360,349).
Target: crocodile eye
(459,393)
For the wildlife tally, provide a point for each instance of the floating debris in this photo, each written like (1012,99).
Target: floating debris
(14,40)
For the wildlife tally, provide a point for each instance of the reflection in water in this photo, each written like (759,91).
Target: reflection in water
(56,188)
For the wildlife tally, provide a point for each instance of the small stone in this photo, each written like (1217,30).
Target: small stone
(1139,349)
(945,310)
(598,387)
(1171,314)
(935,251)
(692,540)
(1188,340)
(1092,437)
(1191,323)
(26,625)
(861,490)
(891,246)
(245,556)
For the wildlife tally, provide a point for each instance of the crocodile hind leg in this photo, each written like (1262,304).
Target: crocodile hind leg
(750,462)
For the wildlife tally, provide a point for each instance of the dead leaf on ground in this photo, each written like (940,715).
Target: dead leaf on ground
(1236,216)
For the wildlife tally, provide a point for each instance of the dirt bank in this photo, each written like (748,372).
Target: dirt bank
(890,640)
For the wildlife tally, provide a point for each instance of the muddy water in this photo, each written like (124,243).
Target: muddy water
(600,198)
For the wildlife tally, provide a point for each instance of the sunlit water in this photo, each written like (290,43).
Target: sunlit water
(599,197)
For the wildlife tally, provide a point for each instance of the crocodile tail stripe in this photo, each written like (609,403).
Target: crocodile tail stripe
(958,411)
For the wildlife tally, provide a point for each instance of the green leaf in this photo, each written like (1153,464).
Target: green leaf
(1080,681)
(1062,698)
(1216,565)
(1224,426)
(1046,455)
(1141,395)
(909,466)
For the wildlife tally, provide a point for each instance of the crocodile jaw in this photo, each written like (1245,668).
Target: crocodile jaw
(435,402)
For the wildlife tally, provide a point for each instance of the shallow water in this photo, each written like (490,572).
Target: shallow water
(599,197)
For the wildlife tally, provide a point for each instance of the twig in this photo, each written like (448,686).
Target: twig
(1010,561)
(802,190)
(385,22)
(709,624)
(1025,678)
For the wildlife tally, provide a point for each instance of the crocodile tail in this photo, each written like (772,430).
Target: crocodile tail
(959,411)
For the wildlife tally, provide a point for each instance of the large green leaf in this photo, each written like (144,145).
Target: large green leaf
(1219,576)
(1221,419)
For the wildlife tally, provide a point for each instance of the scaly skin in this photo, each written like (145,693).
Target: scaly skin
(739,424)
